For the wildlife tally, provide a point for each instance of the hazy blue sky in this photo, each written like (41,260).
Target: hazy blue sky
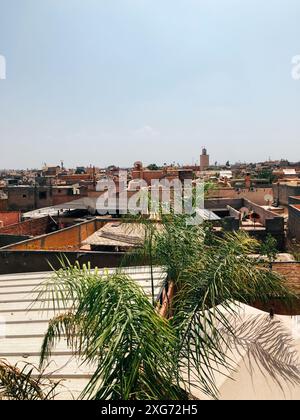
(114,81)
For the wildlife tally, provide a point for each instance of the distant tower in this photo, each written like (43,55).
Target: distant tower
(204,160)
(248,181)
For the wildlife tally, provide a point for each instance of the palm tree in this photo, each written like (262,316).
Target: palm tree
(25,383)
(134,352)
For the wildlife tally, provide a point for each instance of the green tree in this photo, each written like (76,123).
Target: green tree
(26,383)
(267,174)
(153,167)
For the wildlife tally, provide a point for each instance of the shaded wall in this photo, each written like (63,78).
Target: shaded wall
(222,203)
(294,200)
(6,240)
(3,204)
(282,192)
(294,222)
(38,261)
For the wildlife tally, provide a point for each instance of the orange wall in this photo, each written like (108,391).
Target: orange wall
(65,239)
(75,177)
(149,175)
(31,227)
(9,218)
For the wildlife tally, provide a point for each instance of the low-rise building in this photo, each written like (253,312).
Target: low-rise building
(294,218)
(242,214)
(27,197)
(285,189)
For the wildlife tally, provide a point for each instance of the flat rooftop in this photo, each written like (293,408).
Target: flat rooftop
(119,234)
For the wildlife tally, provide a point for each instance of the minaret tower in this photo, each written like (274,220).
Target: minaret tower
(204,160)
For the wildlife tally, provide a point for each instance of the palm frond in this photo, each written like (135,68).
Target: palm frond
(266,344)
(26,383)
(114,327)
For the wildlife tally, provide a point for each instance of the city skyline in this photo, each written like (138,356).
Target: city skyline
(168,163)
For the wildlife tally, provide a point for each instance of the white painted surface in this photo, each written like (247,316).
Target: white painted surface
(25,324)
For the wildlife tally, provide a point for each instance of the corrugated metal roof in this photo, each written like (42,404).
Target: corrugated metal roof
(22,326)
(47,211)
(118,234)
(83,203)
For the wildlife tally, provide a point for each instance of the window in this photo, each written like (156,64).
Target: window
(42,195)
(24,195)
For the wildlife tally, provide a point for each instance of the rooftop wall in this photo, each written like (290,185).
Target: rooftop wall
(282,192)
(70,238)
(32,227)
(291,272)
(234,213)
(294,200)
(6,240)
(269,219)
(235,204)
(294,222)
(3,204)
(257,195)
(273,223)
(39,261)
(222,203)
(9,218)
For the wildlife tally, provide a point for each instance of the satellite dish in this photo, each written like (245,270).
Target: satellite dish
(268,199)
